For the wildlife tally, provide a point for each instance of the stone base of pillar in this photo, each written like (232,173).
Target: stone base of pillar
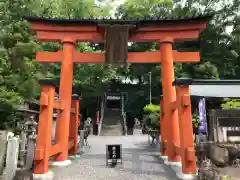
(177,164)
(61,163)
(74,157)
(164,158)
(182,176)
(47,176)
(177,168)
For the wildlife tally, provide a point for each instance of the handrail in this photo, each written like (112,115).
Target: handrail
(123,115)
(102,115)
(124,124)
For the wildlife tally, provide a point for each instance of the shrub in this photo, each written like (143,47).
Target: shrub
(154,120)
(195,123)
(152,116)
(150,108)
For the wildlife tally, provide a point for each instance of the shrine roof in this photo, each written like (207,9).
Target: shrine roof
(96,21)
(30,111)
(211,87)
(189,81)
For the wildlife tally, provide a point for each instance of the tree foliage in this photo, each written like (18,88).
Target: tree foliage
(218,43)
(219,48)
(19,72)
(231,103)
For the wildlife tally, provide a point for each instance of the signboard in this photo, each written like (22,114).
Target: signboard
(202,116)
(229,121)
(113,97)
(113,153)
(228,129)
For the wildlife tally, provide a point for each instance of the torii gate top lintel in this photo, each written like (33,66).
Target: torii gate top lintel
(149,29)
(141,30)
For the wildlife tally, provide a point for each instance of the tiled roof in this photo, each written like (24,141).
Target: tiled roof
(147,20)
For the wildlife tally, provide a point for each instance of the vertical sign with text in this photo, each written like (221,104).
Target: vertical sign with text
(202,115)
(114,153)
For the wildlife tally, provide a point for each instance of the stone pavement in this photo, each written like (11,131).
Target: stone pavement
(139,162)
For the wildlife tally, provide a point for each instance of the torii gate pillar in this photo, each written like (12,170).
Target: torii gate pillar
(169,97)
(65,97)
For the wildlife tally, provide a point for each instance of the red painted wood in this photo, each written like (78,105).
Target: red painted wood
(133,57)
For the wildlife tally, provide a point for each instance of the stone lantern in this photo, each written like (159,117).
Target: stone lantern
(31,126)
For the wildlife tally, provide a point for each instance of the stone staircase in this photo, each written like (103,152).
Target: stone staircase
(111,125)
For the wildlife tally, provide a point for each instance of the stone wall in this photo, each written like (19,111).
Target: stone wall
(224,126)
(54,122)
(3,146)
(2,154)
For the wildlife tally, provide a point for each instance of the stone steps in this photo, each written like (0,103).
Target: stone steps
(111,125)
(111,130)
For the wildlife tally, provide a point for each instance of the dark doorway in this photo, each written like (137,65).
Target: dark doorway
(113,104)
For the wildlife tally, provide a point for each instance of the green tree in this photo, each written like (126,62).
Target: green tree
(219,50)
(142,8)
(19,72)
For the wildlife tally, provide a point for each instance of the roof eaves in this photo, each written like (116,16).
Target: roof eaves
(187,82)
(146,20)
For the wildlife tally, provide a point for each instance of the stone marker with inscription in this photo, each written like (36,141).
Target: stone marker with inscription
(12,158)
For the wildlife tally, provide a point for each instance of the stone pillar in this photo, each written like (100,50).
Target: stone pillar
(65,97)
(169,97)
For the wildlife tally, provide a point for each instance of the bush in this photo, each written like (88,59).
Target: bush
(195,123)
(152,116)
(150,108)
(154,120)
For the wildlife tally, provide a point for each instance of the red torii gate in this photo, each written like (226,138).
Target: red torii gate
(164,31)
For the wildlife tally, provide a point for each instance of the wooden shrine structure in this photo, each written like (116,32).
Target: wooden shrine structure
(176,146)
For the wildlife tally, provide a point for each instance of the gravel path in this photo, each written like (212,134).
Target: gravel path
(139,162)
